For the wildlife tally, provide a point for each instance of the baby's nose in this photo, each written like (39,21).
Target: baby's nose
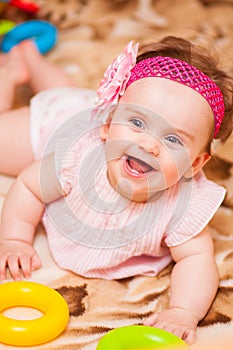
(151,145)
(154,149)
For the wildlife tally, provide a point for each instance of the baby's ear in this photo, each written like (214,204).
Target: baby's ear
(197,165)
(104,129)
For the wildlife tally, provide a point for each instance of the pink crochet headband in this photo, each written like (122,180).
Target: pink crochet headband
(124,71)
(183,73)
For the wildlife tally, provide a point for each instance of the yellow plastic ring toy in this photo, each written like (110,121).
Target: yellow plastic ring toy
(39,330)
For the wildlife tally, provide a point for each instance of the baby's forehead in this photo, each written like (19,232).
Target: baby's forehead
(153,92)
(166,97)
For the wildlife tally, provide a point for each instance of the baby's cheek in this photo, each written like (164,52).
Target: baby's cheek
(180,163)
(171,170)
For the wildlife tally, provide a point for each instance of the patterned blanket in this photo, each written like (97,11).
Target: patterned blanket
(90,34)
(97,306)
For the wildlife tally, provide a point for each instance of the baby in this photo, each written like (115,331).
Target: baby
(116,177)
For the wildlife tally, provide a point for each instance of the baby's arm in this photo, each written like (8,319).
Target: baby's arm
(21,213)
(194,284)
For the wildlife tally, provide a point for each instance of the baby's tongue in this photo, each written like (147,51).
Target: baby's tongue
(138,165)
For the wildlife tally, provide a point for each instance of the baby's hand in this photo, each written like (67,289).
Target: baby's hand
(177,321)
(17,256)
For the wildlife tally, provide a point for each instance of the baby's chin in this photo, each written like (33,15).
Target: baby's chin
(125,190)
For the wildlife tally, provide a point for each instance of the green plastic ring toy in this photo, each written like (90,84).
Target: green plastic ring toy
(6,26)
(139,337)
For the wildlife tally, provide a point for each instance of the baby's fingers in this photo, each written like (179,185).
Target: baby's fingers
(179,332)
(36,263)
(150,321)
(186,334)
(14,267)
(189,336)
(3,265)
(25,264)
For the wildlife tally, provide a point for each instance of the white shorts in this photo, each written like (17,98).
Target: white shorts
(50,108)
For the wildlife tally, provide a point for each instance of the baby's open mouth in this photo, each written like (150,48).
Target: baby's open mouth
(138,166)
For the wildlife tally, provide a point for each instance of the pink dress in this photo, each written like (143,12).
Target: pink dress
(93,231)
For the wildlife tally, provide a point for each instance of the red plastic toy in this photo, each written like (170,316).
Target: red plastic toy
(25,5)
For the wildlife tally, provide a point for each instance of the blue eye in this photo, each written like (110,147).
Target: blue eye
(174,139)
(138,123)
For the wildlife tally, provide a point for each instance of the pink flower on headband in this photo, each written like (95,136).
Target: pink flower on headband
(115,78)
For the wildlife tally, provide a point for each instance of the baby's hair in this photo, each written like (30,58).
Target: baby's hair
(200,58)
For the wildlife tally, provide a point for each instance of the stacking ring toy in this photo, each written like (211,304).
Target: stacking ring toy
(27,6)
(36,331)
(139,337)
(42,32)
(6,26)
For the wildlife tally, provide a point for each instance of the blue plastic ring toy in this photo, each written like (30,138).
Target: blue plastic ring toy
(43,33)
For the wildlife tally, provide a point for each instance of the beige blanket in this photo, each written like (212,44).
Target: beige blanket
(91,33)
(97,306)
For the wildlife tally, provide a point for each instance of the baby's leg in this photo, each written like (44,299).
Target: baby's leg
(23,64)
(15,146)
(43,73)
(15,149)
(13,72)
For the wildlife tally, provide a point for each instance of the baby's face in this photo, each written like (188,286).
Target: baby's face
(158,133)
